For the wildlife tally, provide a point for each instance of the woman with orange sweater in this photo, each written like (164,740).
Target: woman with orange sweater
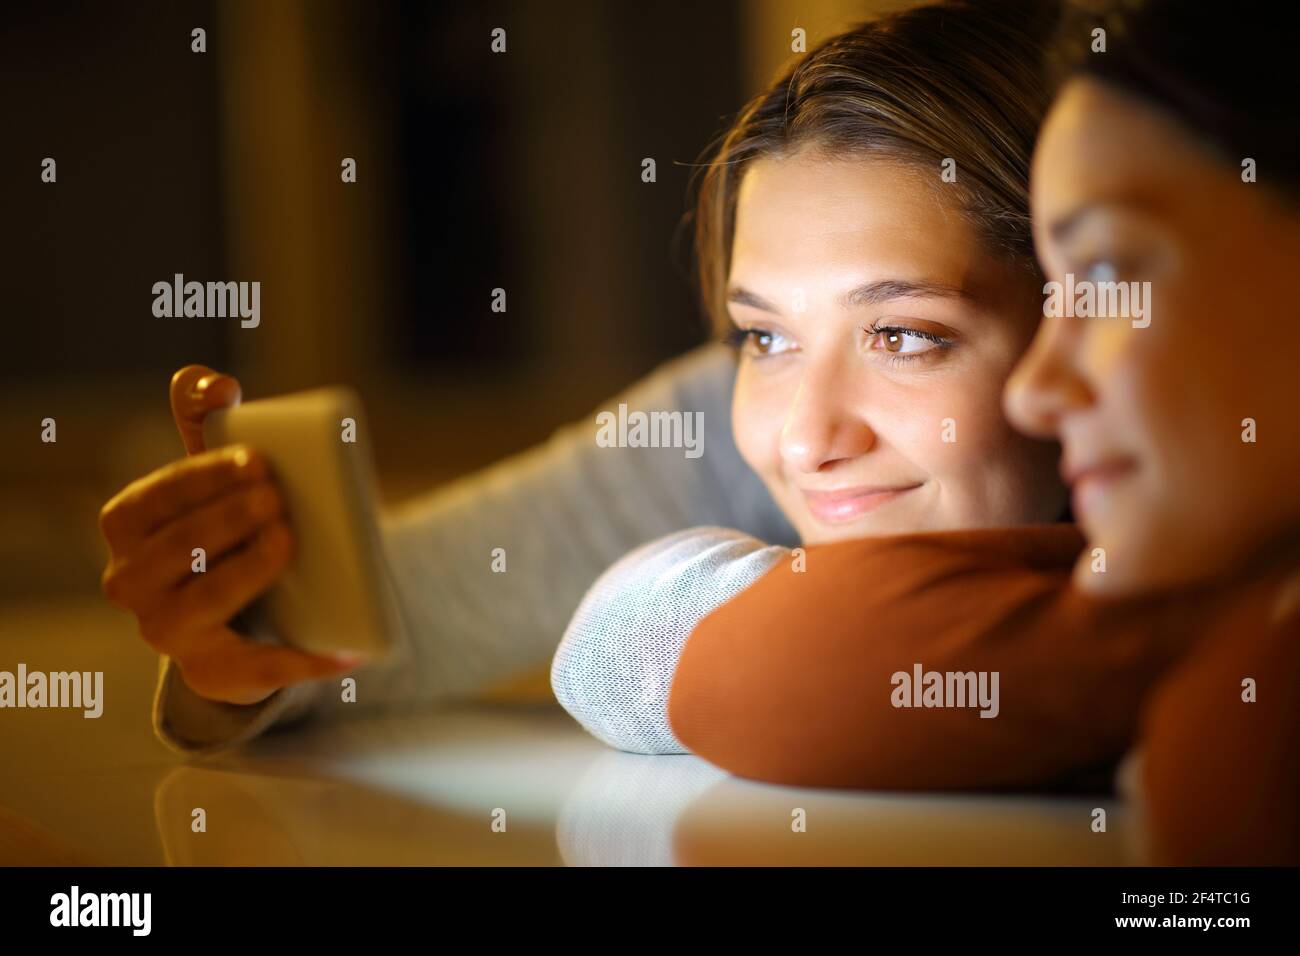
(1178,629)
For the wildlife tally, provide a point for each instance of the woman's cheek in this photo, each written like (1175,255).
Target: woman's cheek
(959,436)
(926,426)
(1151,411)
(756,420)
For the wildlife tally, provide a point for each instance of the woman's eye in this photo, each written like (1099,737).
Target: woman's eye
(1101,270)
(902,342)
(763,341)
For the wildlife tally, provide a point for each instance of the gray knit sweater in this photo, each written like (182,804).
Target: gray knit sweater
(563,513)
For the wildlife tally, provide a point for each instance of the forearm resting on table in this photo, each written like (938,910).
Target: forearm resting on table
(792,681)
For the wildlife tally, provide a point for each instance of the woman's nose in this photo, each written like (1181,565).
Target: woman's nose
(1046,384)
(822,426)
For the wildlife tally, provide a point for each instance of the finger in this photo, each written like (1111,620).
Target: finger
(195,391)
(212,598)
(166,557)
(148,503)
(237,671)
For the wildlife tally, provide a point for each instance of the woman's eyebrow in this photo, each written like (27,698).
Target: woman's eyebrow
(884,290)
(1062,227)
(1065,226)
(869,293)
(742,296)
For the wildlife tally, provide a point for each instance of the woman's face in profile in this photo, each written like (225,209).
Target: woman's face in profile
(1179,431)
(877,335)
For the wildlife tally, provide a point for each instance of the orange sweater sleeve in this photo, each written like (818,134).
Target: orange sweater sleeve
(1220,771)
(792,681)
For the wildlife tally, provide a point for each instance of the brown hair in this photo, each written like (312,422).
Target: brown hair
(960,80)
(1223,77)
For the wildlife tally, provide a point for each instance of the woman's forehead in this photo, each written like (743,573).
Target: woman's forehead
(1101,146)
(811,216)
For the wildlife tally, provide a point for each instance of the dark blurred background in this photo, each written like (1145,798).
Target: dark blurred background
(475,171)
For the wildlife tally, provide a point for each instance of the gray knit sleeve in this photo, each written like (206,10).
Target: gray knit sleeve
(614,668)
(488,571)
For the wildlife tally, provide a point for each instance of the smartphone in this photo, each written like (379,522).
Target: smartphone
(335,595)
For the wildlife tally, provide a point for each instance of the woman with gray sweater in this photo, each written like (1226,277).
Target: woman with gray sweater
(877,306)
(562,512)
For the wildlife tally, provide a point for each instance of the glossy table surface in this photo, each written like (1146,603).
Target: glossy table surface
(478,784)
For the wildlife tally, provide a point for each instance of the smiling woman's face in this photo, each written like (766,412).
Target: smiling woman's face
(877,335)
(1180,436)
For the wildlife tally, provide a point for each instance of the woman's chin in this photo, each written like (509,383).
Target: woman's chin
(1103,573)
(819,532)
(1088,580)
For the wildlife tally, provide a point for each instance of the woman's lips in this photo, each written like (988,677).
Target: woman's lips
(1089,484)
(845,504)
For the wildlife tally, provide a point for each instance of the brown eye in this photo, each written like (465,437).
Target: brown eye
(908,343)
(760,342)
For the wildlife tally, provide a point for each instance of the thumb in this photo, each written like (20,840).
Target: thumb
(195,391)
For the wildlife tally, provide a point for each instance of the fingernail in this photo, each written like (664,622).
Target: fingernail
(241,458)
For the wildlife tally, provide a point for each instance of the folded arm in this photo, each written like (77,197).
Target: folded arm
(794,680)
